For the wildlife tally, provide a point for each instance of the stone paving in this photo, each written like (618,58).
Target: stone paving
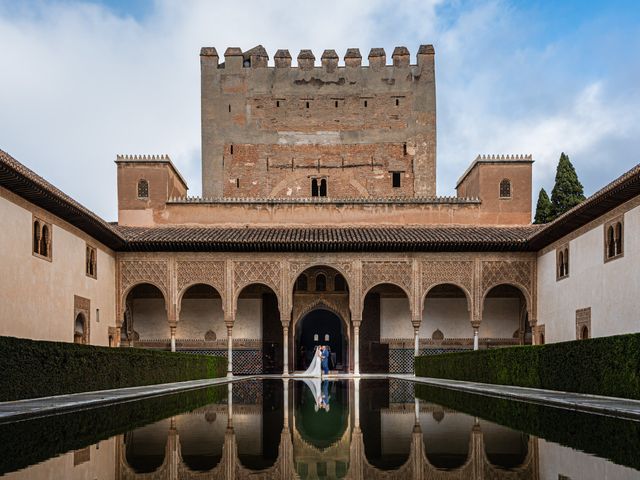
(36,407)
(613,406)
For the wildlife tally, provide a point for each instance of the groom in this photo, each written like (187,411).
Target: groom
(325,359)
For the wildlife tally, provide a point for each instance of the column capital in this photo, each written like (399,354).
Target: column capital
(475,324)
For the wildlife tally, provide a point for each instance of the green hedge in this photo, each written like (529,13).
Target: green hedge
(601,366)
(37,369)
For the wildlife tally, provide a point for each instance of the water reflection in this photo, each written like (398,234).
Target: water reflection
(290,429)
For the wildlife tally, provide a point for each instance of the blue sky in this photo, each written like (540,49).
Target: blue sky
(85,80)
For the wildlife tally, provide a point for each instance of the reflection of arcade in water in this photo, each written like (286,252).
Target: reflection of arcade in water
(311,429)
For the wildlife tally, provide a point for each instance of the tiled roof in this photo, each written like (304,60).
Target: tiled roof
(328,239)
(622,189)
(17,178)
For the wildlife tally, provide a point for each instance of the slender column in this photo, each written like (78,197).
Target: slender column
(229,351)
(229,404)
(286,402)
(475,338)
(356,401)
(173,337)
(356,348)
(416,342)
(285,350)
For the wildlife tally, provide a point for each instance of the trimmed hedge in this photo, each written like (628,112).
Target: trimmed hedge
(600,366)
(38,368)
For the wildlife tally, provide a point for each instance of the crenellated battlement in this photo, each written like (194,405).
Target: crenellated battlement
(496,158)
(257,57)
(143,158)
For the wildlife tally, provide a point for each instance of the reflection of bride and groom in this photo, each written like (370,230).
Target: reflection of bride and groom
(312,375)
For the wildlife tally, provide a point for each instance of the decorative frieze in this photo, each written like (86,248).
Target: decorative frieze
(133,272)
(190,272)
(397,272)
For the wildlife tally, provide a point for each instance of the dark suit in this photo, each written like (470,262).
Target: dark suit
(325,361)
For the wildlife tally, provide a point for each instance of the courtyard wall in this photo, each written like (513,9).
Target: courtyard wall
(43,295)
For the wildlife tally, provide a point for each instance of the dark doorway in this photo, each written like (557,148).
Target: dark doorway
(271,335)
(320,327)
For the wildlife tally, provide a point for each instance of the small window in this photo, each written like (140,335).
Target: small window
(321,282)
(614,239)
(41,239)
(237,183)
(404,148)
(231,149)
(323,187)
(307,104)
(143,189)
(336,103)
(562,262)
(229,108)
(90,262)
(278,103)
(395,180)
(246,63)
(505,188)
(301,284)
(366,104)
(314,187)
(397,102)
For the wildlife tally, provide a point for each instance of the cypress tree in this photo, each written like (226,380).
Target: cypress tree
(567,191)
(544,208)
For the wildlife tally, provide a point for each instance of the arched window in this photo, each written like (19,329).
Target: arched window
(505,188)
(611,245)
(339,283)
(301,284)
(314,187)
(323,187)
(143,189)
(566,261)
(618,236)
(79,329)
(321,282)
(561,264)
(44,241)
(36,237)
(584,334)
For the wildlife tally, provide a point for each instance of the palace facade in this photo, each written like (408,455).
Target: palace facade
(319,224)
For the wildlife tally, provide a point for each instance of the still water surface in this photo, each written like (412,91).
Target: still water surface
(333,429)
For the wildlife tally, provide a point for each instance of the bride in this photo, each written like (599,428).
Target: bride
(315,368)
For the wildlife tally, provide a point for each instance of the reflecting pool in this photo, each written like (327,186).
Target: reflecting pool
(361,429)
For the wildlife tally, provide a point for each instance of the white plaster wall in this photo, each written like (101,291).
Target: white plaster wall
(395,318)
(199,315)
(248,323)
(500,318)
(610,289)
(555,460)
(102,460)
(37,295)
(449,315)
(150,318)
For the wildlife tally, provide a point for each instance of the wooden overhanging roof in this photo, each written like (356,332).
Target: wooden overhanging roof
(22,181)
(445,238)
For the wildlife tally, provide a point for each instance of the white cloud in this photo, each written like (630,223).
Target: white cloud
(80,84)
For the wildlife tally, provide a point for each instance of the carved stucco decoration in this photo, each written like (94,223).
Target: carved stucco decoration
(399,273)
(133,272)
(296,268)
(303,304)
(266,273)
(456,272)
(207,272)
(516,272)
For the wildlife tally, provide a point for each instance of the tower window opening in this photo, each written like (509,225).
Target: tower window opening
(505,188)
(314,187)
(229,108)
(237,183)
(231,149)
(336,104)
(323,187)
(278,103)
(404,148)
(307,104)
(143,189)
(366,104)
(397,102)
(395,179)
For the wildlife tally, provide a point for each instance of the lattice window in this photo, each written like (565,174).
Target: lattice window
(614,239)
(505,188)
(143,188)
(91,262)
(41,246)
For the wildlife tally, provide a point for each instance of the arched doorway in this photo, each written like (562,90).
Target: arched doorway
(321,327)
(79,331)
(505,319)
(145,321)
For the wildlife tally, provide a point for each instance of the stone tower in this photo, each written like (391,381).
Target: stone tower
(349,131)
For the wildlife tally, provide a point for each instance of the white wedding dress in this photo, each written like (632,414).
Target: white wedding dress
(315,369)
